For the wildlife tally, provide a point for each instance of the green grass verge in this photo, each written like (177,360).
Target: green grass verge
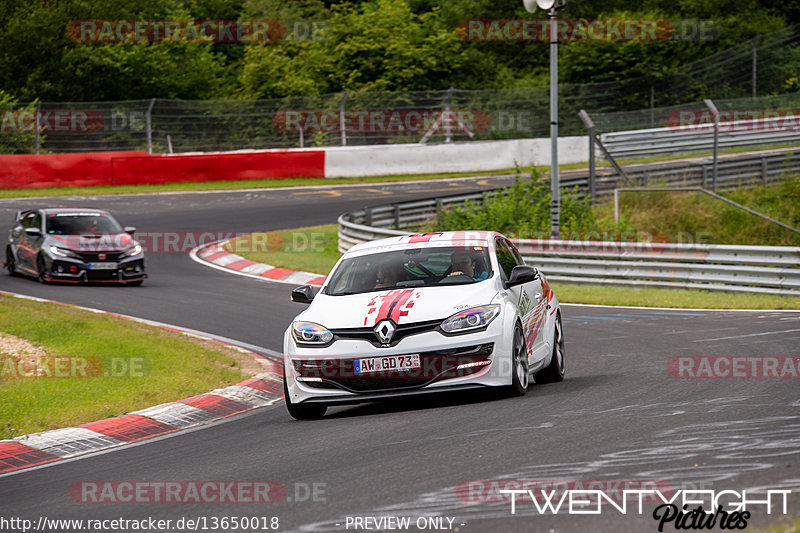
(311,249)
(145,366)
(314,249)
(579,293)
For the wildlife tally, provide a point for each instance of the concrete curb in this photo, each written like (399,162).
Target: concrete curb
(35,449)
(216,256)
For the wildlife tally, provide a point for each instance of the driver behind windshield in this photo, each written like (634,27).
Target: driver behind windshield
(387,274)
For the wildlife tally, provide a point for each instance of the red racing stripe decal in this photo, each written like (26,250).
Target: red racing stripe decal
(422,237)
(391,306)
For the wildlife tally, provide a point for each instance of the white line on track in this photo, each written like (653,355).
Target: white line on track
(748,335)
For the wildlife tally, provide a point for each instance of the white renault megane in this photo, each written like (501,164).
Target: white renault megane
(422,314)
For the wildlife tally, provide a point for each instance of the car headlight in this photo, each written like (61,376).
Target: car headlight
(62,252)
(135,250)
(309,333)
(471,319)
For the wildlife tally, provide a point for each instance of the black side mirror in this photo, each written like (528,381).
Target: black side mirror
(33,232)
(522,274)
(130,230)
(304,294)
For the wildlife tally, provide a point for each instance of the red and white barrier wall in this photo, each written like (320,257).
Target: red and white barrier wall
(135,168)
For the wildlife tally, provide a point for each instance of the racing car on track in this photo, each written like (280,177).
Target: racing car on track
(422,314)
(73,245)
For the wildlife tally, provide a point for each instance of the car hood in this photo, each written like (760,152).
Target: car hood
(102,242)
(404,306)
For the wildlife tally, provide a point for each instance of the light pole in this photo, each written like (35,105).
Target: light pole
(551,6)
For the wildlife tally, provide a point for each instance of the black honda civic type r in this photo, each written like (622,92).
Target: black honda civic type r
(73,245)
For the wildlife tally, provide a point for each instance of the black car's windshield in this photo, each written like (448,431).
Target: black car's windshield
(70,223)
(416,267)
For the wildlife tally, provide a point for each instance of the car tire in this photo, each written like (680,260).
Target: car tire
(554,372)
(520,378)
(135,283)
(41,272)
(11,263)
(313,411)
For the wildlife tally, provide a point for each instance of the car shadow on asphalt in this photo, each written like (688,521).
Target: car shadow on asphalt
(570,386)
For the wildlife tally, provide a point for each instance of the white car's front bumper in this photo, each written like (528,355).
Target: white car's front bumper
(327,375)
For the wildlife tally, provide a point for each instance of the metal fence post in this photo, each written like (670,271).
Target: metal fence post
(342,124)
(587,120)
(446,116)
(715,114)
(755,67)
(764,174)
(38,126)
(149,126)
(396,216)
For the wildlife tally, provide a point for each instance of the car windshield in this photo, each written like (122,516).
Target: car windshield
(414,267)
(71,223)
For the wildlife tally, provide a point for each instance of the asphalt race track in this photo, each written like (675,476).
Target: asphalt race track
(619,417)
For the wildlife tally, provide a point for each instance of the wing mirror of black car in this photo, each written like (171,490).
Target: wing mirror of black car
(130,230)
(522,274)
(33,232)
(304,294)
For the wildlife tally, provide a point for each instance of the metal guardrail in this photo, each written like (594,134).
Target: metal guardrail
(733,171)
(700,137)
(752,269)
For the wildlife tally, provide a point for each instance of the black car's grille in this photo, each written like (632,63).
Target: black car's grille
(402,331)
(94,257)
(435,366)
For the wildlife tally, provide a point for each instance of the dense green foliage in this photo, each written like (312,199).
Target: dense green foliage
(521,209)
(338,45)
(25,141)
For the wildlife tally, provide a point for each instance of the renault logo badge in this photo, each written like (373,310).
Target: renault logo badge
(384,331)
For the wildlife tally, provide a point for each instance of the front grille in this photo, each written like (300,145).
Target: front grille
(401,331)
(92,257)
(435,366)
(367,384)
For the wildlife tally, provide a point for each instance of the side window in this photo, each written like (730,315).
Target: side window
(517,255)
(505,258)
(29,220)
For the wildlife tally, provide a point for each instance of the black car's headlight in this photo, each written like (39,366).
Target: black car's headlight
(55,251)
(472,319)
(136,249)
(311,334)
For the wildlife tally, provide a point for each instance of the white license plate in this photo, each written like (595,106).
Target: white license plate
(390,362)
(102,266)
